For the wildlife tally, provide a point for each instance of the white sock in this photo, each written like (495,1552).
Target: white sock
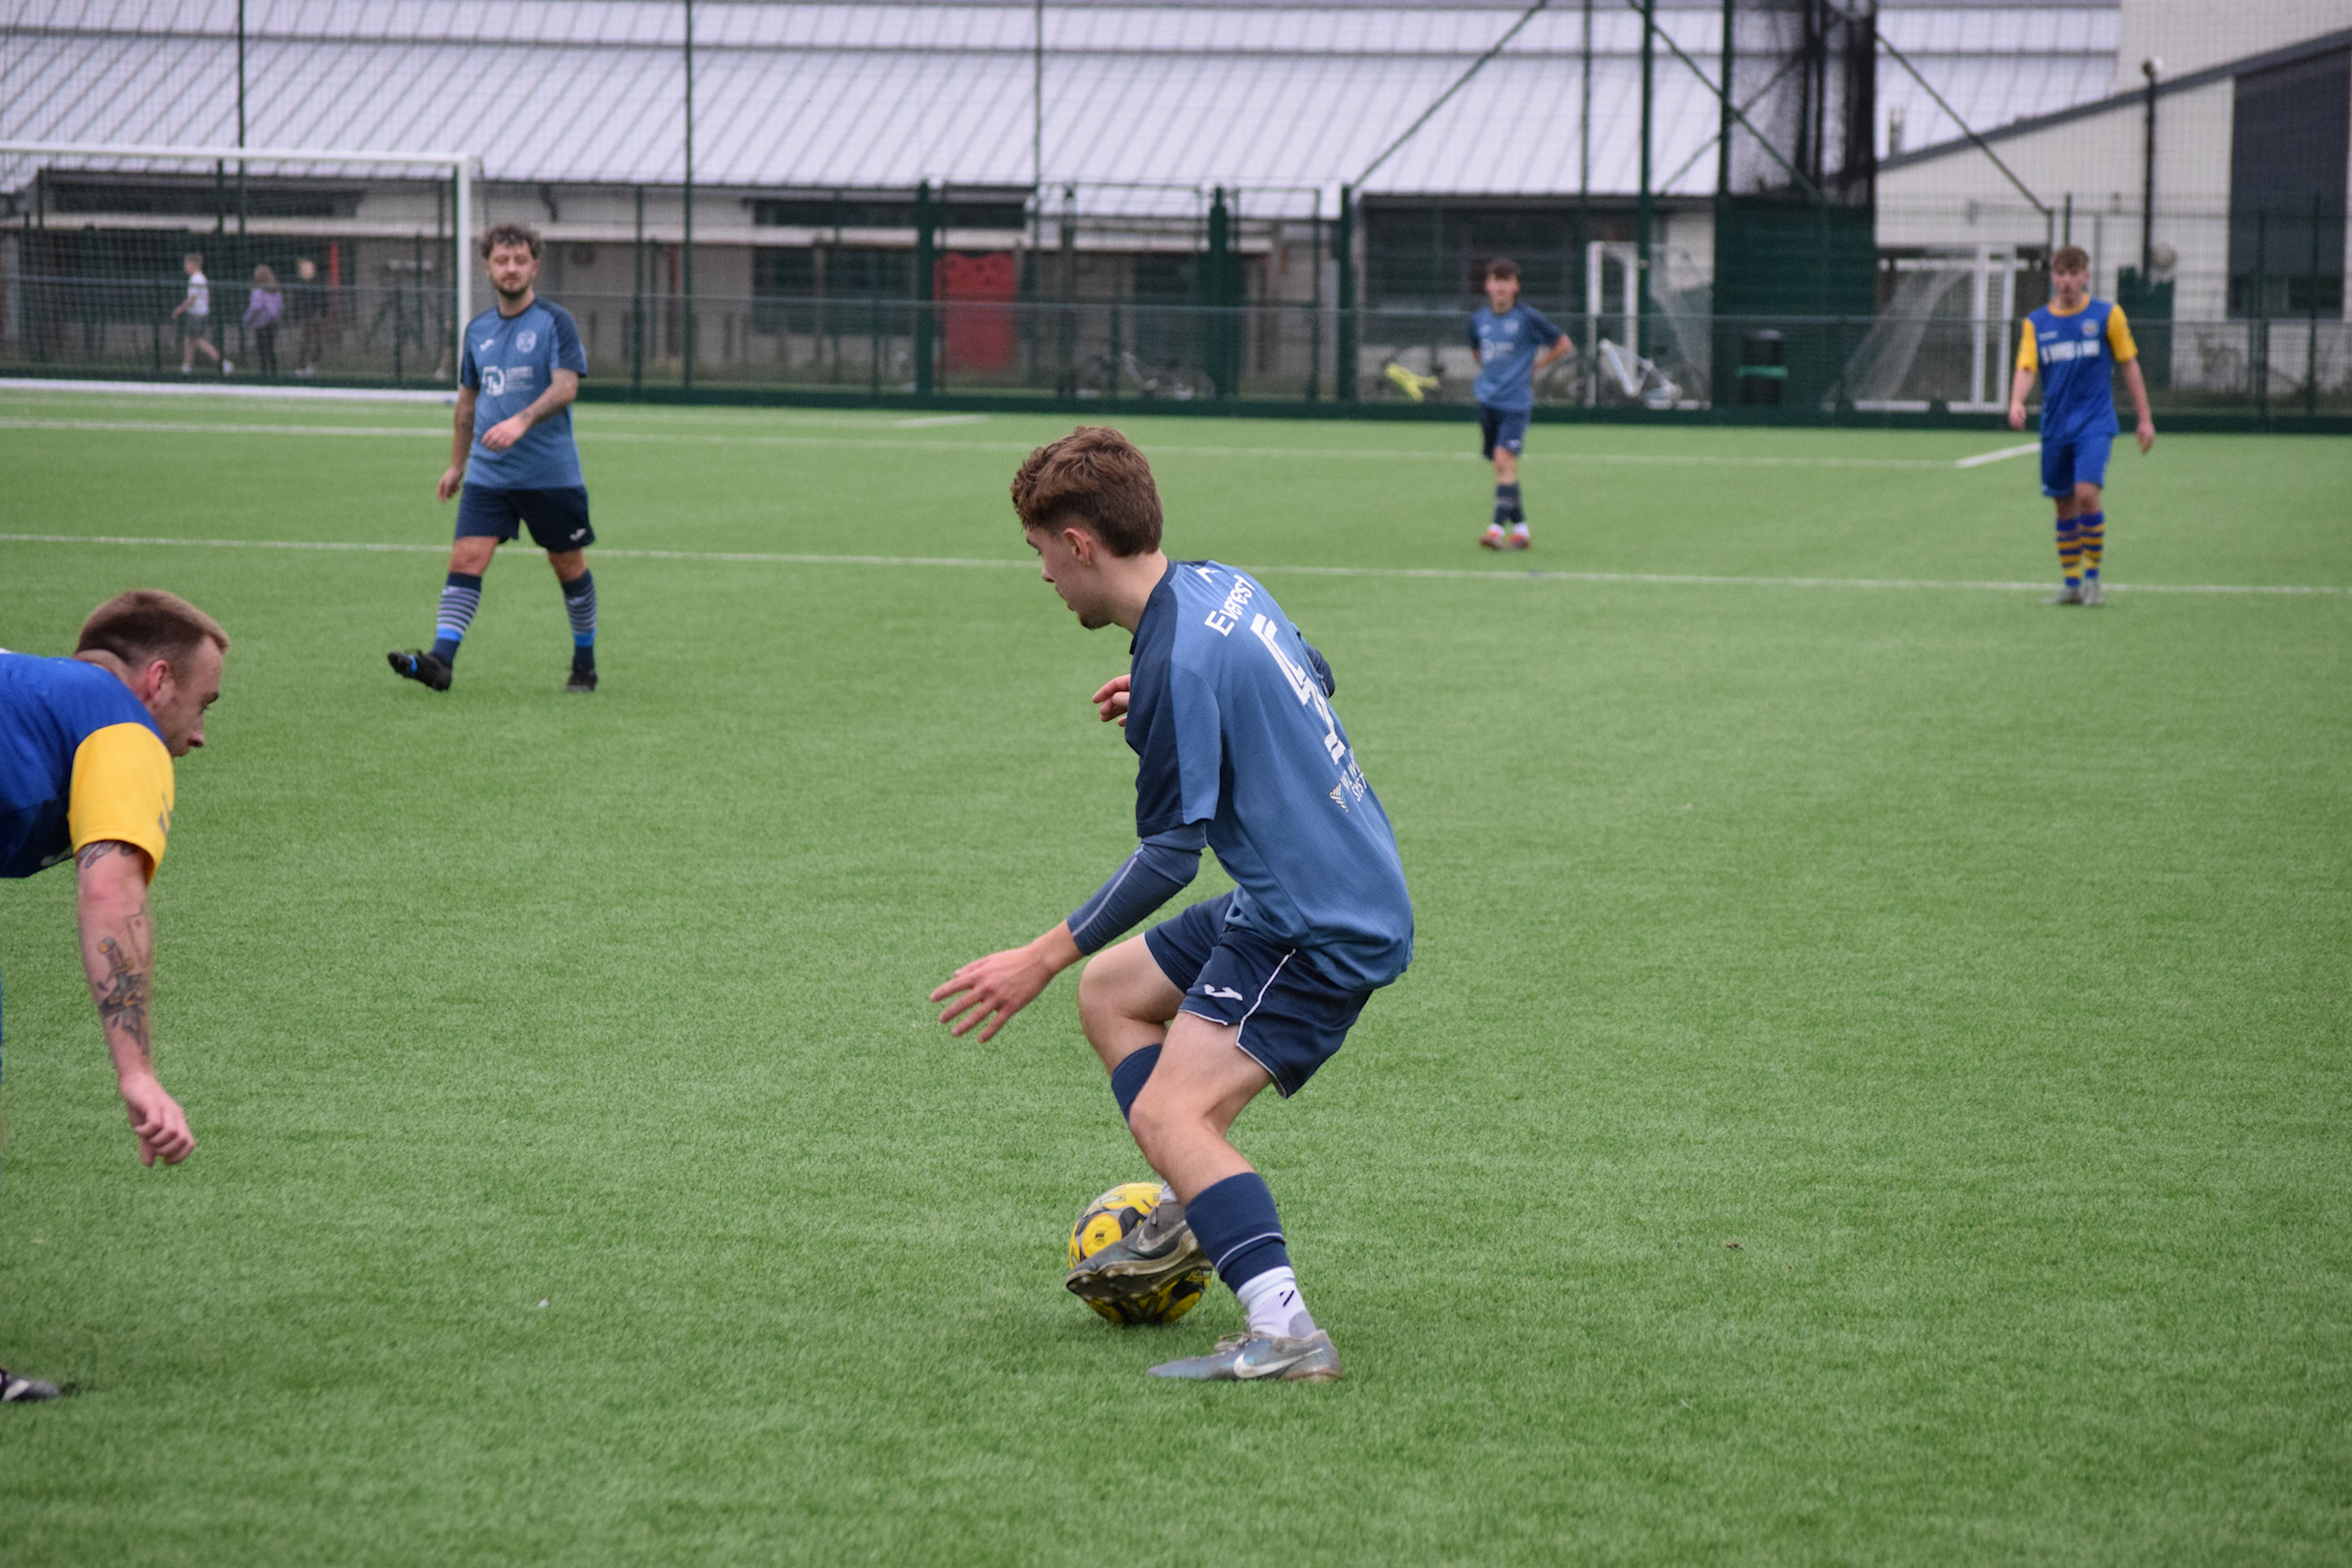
(1274,1305)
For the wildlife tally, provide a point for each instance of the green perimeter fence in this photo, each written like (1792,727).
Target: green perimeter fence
(2280,370)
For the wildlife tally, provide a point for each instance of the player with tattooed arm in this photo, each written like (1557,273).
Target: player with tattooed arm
(86,749)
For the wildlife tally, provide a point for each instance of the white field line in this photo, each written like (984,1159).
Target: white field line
(940,419)
(194,388)
(1661,460)
(1983,457)
(1442,572)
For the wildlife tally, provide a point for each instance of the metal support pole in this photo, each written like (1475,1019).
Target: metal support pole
(462,228)
(1643,214)
(925,289)
(1343,253)
(1315,310)
(686,308)
(637,309)
(2148,177)
(2258,328)
(2311,351)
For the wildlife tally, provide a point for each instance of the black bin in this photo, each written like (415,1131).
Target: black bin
(1763,366)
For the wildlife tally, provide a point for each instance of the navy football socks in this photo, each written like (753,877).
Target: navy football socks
(1507,505)
(1128,1078)
(1234,1222)
(579,603)
(460,597)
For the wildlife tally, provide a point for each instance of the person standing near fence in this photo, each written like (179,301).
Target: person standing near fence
(262,312)
(2072,343)
(306,306)
(195,316)
(1513,343)
(514,461)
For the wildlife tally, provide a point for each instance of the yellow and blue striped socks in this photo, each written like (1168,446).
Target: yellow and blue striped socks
(2090,532)
(2071,551)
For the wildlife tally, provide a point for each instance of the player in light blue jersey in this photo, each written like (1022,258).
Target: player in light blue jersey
(1228,712)
(2074,343)
(514,459)
(1513,343)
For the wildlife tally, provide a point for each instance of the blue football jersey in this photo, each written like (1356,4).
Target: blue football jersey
(1507,345)
(1230,727)
(80,760)
(508,361)
(2076,356)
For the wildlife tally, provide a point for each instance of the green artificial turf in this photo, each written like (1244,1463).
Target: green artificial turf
(1872,1087)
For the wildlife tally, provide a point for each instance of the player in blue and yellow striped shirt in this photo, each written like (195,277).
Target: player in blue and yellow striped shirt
(2073,342)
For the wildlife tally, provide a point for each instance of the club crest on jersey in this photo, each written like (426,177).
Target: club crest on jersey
(526,340)
(2090,329)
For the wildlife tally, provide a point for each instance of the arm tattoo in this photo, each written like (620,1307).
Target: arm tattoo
(93,853)
(124,1003)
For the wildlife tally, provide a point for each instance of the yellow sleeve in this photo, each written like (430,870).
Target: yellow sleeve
(122,789)
(2119,337)
(2028,358)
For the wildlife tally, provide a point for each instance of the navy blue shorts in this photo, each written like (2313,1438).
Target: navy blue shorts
(2080,460)
(558,519)
(1501,427)
(1292,1019)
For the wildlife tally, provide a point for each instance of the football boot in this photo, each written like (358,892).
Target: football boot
(422,666)
(2067,594)
(1519,540)
(25,1390)
(1158,1251)
(583,678)
(1248,1358)
(2091,593)
(1494,539)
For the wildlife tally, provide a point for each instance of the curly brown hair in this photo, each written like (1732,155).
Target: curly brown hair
(1095,478)
(509,233)
(146,625)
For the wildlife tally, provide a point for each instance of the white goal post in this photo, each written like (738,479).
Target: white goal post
(462,167)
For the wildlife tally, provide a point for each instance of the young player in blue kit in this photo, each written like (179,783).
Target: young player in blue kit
(2073,341)
(1228,711)
(514,459)
(1513,343)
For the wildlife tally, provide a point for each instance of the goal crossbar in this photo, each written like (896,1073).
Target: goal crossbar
(460,164)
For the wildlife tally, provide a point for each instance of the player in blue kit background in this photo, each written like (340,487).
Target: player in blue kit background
(515,458)
(1227,710)
(1514,342)
(2074,343)
(85,751)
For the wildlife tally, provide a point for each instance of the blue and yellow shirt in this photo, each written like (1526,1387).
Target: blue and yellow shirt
(2076,353)
(80,761)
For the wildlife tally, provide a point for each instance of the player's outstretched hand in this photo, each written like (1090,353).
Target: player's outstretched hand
(505,432)
(988,991)
(452,481)
(157,1122)
(1111,701)
(2147,435)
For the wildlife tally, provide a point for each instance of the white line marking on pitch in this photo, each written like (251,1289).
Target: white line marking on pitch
(1661,460)
(193,388)
(1983,457)
(1445,573)
(940,419)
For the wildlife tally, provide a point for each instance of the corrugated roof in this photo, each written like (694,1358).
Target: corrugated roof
(884,95)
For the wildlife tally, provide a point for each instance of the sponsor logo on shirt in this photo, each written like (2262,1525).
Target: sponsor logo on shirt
(518,375)
(494,380)
(1221,619)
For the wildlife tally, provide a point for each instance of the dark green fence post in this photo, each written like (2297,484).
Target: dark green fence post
(1216,292)
(1344,252)
(926,265)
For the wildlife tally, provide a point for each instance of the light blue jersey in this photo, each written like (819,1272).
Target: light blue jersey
(1231,725)
(1507,345)
(510,360)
